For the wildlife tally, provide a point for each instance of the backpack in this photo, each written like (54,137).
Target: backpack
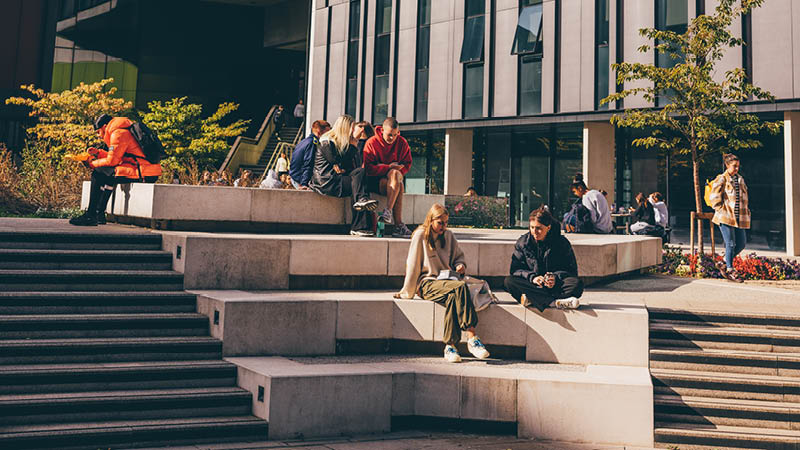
(579,218)
(148,141)
(707,193)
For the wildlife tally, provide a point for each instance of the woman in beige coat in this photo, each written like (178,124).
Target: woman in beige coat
(731,213)
(434,249)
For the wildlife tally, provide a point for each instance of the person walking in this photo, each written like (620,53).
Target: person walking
(434,249)
(387,158)
(299,113)
(731,213)
(282,164)
(336,175)
(544,272)
(124,162)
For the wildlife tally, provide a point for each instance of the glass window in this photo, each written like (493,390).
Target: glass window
(472,47)
(352,59)
(671,15)
(384,22)
(422,95)
(529,30)
(424,10)
(423,47)
(601,22)
(352,90)
(381,98)
(530,86)
(601,78)
(382,54)
(473,91)
(475,7)
(355,17)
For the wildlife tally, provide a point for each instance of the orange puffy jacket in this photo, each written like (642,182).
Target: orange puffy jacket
(122,149)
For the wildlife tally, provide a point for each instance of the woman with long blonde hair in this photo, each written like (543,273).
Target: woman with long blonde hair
(434,270)
(337,175)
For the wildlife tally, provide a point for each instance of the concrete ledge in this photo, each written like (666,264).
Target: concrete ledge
(215,208)
(310,397)
(274,261)
(322,323)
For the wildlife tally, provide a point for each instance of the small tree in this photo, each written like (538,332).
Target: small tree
(189,139)
(66,119)
(701,116)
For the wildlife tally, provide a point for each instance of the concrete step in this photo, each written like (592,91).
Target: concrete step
(730,361)
(90,280)
(724,319)
(80,377)
(85,259)
(728,412)
(159,302)
(664,334)
(18,409)
(42,351)
(711,437)
(132,433)
(102,325)
(725,385)
(89,240)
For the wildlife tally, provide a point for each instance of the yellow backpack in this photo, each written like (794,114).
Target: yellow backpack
(707,194)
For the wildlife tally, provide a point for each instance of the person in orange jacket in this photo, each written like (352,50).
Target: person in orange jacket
(124,162)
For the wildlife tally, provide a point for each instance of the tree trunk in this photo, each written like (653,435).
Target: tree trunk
(697,203)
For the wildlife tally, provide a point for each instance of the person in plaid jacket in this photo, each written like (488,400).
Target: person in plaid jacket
(731,213)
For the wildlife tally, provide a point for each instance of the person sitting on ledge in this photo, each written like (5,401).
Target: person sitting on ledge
(337,175)
(596,203)
(434,249)
(302,165)
(544,272)
(124,162)
(387,158)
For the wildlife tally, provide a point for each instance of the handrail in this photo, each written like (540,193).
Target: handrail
(267,128)
(273,160)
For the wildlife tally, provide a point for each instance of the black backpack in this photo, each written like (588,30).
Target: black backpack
(148,141)
(579,218)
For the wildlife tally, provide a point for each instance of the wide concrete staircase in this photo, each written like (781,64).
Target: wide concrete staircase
(287,134)
(725,380)
(100,347)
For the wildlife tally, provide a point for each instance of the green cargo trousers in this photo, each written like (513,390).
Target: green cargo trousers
(459,313)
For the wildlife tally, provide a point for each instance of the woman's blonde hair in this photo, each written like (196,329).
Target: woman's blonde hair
(434,213)
(340,133)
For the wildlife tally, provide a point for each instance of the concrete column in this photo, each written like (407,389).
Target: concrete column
(457,161)
(791,149)
(599,156)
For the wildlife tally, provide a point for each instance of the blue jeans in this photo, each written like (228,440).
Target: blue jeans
(735,240)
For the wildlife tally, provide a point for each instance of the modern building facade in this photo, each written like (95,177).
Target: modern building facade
(504,95)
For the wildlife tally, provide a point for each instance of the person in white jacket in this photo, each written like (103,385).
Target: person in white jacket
(662,215)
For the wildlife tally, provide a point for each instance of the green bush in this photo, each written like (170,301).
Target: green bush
(479,212)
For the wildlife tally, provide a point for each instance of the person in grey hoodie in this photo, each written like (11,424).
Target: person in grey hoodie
(596,203)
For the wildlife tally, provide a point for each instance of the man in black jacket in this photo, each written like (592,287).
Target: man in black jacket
(544,271)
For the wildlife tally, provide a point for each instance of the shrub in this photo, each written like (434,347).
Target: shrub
(479,212)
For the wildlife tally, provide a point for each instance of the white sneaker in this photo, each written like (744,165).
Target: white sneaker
(477,349)
(361,233)
(387,217)
(568,303)
(451,354)
(365,204)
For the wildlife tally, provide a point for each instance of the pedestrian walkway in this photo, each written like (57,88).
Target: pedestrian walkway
(412,440)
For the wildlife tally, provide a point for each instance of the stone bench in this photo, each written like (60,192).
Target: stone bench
(283,261)
(310,397)
(220,208)
(327,323)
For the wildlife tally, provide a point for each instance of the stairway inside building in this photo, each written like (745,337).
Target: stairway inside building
(725,380)
(100,347)
(287,134)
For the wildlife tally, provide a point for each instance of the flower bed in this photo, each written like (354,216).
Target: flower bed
(478,212)
(750,267)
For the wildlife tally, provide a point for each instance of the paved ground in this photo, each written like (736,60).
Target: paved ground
(414,440)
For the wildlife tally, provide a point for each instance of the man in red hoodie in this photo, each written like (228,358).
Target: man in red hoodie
(387,159)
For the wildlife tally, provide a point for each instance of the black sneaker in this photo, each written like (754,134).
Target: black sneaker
(86,220)
(101,218)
